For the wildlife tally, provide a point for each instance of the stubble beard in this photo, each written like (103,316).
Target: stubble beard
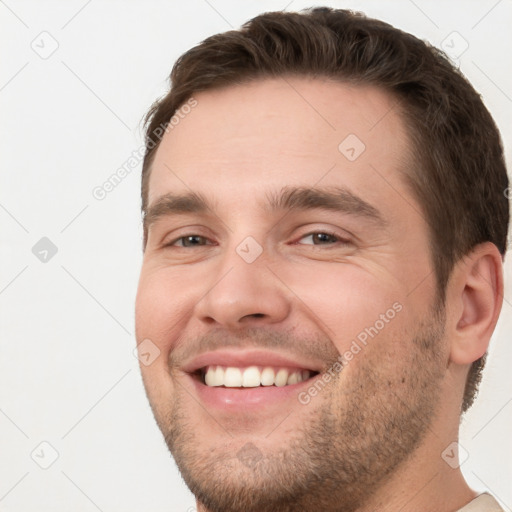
(343,451)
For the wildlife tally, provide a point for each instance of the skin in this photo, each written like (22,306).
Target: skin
(372,438)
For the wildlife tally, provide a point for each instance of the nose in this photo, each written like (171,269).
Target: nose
(241,294)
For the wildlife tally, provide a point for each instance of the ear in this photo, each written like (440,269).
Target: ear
(474,297)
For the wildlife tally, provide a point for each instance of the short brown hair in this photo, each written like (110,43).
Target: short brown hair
(459,176)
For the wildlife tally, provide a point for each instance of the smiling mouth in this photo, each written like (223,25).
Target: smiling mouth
(251,376)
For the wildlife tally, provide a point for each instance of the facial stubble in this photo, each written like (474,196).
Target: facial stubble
(346,447)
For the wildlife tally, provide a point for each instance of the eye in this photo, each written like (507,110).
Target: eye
(316,238)
(188,241)
(323,238)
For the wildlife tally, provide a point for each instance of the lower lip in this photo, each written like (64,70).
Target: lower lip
(246,398)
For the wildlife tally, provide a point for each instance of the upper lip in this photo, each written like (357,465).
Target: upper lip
(243,358)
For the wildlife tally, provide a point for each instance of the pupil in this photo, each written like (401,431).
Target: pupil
(322,237)
(192,240)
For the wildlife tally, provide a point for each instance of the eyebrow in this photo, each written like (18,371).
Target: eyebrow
(338,199)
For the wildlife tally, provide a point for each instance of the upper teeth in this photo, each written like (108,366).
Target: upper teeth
(253,376)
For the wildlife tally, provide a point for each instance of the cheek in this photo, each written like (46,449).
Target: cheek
(347,302)
(158,310)
(162,308)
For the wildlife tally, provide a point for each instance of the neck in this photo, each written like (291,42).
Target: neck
(430,480)
(423,484)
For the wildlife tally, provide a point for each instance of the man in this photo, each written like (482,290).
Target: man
(324,229)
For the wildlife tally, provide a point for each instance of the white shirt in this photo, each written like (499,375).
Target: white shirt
(483,503)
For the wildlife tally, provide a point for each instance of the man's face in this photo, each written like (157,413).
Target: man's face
(271,282)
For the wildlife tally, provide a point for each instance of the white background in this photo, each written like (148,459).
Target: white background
(68,376)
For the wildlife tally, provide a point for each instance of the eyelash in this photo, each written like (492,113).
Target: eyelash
(340,240)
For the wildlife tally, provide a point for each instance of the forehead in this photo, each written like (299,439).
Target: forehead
(284,131)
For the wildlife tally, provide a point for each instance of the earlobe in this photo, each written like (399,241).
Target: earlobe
(477,289)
